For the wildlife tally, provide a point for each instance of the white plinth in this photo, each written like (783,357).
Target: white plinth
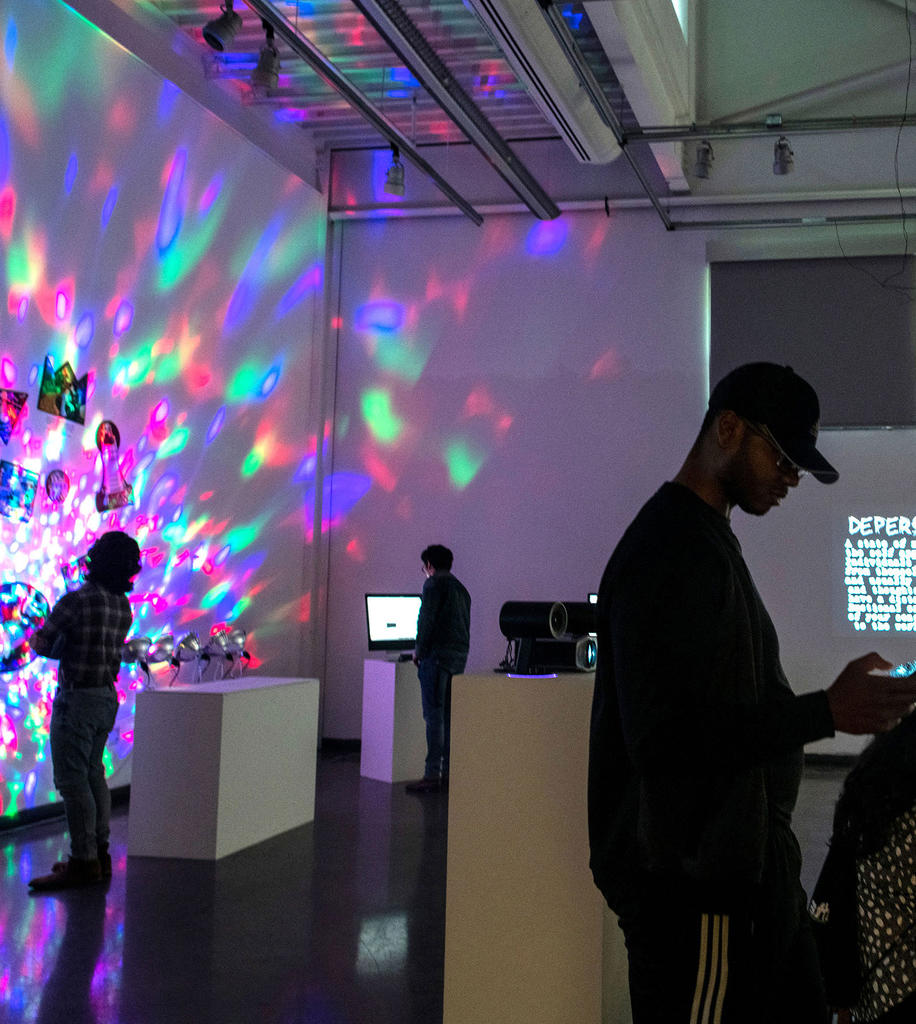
(525,926)
(393,743)
(222,765)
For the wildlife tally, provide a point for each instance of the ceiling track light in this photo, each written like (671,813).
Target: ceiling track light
(267,73)
(783,157)
(705,157)
(220,32)
(394,179)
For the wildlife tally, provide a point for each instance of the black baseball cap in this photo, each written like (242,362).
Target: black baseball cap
(776,397)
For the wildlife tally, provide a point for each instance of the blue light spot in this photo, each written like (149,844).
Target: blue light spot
(110,202)
(547,237)
(341,491)
(383,315)
(309,282)
(170,215)
(70,176)
(168,97)
(403,76)
(84,330)
(573,18)
(4,151)
(9,43)
(305,8)
(306,470)
(216,425)
(270,381)
(244,298)
(292,115)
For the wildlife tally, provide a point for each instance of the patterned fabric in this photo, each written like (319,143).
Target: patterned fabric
(86,631)
(886,889)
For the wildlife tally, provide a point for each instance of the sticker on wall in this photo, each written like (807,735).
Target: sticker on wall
(17,490)
(61,393)
(57,486)
(11,403)
(75,573)
(23,608)
(115,491)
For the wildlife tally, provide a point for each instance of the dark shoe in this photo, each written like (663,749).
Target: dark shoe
(68,875)
(424,786)
(105,862)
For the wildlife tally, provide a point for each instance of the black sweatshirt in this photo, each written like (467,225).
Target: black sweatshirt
(696,737)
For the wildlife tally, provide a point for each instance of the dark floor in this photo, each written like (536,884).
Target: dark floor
(338,922)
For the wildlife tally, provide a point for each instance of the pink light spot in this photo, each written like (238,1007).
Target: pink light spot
(7,372)
(124,317)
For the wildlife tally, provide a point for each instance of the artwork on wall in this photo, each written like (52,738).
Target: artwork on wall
(57,486)
(11,405)
(61,393)
(17,490)
(115,491)
(23,609)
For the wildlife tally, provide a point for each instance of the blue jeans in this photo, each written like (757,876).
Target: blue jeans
(80,723)
(436,693)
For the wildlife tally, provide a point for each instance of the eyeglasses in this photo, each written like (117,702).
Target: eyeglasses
(783,463)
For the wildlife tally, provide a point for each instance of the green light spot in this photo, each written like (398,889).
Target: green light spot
(253,462)
(240,537)
(190,247)
(381,419)
(174,443)
(214,596)
(245,382)
(240,607)
(400,357)
(463,462)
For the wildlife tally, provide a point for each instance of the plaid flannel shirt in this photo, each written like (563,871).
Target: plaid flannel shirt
(86,631)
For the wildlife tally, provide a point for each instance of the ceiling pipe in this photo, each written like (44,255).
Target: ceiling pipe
(394,25)
(772,123)
(308,52)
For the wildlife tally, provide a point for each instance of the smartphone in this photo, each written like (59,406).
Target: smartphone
(903,670)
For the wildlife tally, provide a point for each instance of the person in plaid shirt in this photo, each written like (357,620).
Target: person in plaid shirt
(86,631)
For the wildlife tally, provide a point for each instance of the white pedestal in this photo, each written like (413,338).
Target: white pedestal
(525,938)
(222,765)
(393,747)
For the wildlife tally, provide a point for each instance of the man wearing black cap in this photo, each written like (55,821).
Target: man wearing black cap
(86,631)
(696,748)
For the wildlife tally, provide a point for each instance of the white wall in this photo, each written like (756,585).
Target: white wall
(151,247)
(567,358)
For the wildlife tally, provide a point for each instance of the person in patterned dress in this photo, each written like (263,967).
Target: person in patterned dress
(876,815)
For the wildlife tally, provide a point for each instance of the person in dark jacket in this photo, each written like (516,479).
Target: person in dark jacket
(443,641)
(696,746)
(85,632)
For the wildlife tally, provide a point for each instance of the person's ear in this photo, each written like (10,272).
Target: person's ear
(730,429)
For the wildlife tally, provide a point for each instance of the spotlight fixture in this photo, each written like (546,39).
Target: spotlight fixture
(267,74)
(705,157)
(220,32)
(782,156)
(394,179)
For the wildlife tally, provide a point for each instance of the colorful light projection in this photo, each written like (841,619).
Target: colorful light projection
(148,253)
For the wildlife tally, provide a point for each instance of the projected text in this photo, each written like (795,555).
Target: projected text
(880,573)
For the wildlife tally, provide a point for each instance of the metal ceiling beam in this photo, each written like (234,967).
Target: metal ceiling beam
(394,25)
(308,52)
(596,94)
(773,125)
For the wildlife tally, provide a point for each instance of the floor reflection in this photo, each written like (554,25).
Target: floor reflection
(341,920)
